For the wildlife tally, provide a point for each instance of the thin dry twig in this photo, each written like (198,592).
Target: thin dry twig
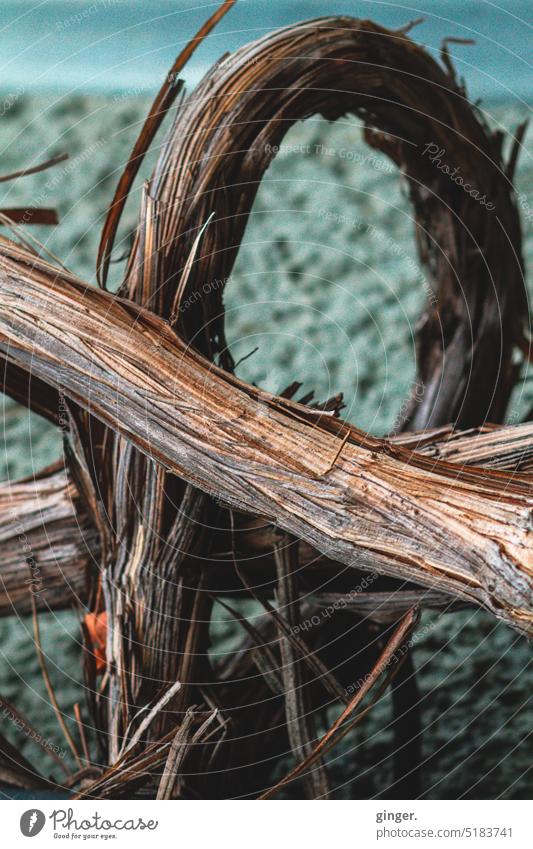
(340,728)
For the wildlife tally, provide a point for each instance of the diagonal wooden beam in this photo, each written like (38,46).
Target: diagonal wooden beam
(49,544)
(465,531)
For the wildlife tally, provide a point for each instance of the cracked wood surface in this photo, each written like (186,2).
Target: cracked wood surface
(43,524)
(465,531)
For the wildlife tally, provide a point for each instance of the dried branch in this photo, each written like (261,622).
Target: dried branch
(48,544)
(42,521)
(149,420)
(341,727)
(301,726)
(465,531)
(225,137)
(50,690)
(162,103)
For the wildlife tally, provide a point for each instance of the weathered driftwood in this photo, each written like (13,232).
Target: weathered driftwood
(46,555)
(225,136)
(467,531)
(48,544)
(352,497)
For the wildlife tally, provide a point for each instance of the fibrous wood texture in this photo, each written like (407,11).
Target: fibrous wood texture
(46,511)
(466,530)
(166,449)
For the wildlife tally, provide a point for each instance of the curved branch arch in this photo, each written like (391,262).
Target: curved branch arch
(225,136)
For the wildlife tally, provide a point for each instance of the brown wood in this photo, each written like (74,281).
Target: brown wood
(161,446)
(43,525)
(466,531)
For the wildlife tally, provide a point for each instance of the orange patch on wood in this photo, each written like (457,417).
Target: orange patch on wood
(96,624)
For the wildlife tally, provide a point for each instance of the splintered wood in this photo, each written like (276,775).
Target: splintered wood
(181,484)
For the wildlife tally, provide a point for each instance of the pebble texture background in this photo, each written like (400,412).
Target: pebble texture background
(328,289)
